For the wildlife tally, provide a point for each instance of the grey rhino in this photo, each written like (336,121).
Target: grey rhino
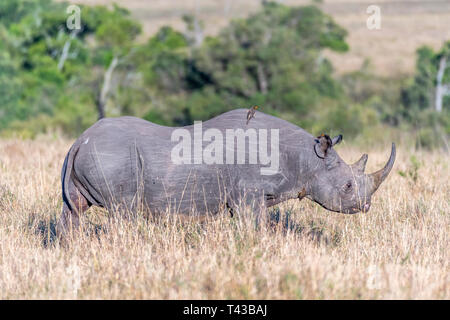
(126,163)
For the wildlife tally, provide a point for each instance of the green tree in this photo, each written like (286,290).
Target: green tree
(272,58)
(426,100)
(55,77)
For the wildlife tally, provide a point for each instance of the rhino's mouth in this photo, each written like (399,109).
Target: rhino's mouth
(354,210)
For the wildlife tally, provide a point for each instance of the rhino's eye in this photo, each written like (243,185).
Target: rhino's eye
(348,187)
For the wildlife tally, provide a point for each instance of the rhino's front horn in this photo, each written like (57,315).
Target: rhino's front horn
(378,177)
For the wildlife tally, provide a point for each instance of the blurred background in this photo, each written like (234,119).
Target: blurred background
(314,63)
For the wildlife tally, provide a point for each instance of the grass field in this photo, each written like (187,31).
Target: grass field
(405,25)
(399,249)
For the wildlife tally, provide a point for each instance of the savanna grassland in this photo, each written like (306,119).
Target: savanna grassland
(399,249)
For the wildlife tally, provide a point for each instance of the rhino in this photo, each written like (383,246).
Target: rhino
(127,164)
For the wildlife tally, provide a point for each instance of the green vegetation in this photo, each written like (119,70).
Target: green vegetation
(52,78)
(419,97)
(413,170)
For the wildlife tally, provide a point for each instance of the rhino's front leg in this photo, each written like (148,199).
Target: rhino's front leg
(250,202)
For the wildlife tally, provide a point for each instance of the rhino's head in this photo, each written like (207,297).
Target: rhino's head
(341,187)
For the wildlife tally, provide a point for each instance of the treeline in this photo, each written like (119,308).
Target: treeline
(52,77)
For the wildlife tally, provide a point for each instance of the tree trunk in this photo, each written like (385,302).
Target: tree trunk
(66,48)
(441,90)
(262,79)
(198,31)
(102,98)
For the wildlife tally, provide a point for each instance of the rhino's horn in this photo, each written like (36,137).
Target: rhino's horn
(378,177)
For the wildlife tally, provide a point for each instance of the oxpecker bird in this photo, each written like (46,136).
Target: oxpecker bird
(251,113)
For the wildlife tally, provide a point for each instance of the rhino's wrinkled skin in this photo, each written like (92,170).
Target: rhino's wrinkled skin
(125,164)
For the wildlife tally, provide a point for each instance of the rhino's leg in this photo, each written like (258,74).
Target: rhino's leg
(254,201)
(69,222)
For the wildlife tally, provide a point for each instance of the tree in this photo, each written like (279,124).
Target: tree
(432,80)
(60,73)
(115,33)
(272,58)
(442,84)
(426,101)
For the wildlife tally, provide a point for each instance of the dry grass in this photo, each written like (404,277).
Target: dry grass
(398,250)
(405,25)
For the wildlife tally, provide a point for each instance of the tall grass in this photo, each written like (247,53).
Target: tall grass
(399,249)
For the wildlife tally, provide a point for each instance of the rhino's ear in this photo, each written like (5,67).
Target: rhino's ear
(337,139)
(323,144)
(322,149)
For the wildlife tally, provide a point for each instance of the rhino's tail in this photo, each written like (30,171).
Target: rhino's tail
(66,175)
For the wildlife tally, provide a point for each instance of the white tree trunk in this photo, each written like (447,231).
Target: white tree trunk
(441,90)
(106,87)
(198,31)
(66,48)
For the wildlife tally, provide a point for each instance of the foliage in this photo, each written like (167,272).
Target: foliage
(406,103)
(272,58)
(418,99)
(31,48)
(413,170)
